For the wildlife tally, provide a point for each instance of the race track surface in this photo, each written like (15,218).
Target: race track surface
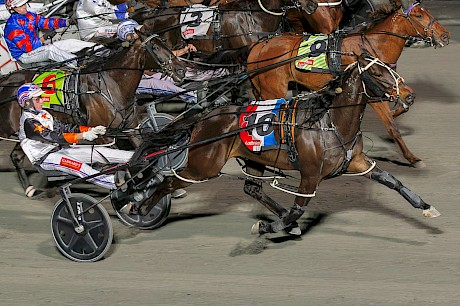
(362,243)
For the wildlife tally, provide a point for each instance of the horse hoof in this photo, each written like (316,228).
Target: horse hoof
(431,213)
(419,164)
(255,228)
(295,231)
(30,191)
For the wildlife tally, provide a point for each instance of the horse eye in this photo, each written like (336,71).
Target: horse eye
(418,16)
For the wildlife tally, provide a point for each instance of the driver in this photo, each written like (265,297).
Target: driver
(46,141)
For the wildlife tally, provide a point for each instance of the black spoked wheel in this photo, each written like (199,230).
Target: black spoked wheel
(87,243)
(154,219)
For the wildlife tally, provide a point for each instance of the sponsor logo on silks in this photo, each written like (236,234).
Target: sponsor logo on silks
(189,31)
(69,163)
(262,136)
(52,82)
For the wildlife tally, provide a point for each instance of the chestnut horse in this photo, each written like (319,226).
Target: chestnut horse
(106,91)
(326,135)
(384,39)
(242,23)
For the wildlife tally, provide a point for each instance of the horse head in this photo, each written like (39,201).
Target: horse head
(424,25)
(381,83)
(162,57)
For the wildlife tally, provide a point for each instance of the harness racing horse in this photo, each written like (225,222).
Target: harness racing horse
(106,91)
(326,135)
(384,39)
(238,24)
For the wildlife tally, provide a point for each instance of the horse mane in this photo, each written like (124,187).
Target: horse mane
(318,103)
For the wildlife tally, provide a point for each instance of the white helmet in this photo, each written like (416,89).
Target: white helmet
(10,4)
(126,27)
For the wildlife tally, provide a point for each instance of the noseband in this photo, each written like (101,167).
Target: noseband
(165,63)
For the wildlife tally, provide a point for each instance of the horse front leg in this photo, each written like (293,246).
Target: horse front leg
(289,220)
(385,178)
(399,111)
(382,109)
(361,165)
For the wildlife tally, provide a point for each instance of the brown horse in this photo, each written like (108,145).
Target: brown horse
(106,91)
(326,138)
(242,23)
(384,39)
(302,21)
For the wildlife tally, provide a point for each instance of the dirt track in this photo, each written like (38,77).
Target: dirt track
(362,243)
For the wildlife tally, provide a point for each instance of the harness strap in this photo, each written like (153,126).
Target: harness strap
(289,135)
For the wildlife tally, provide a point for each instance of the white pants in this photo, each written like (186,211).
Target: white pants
(58,51)
(157,85)
(104,31)
(203,75)
(75,160)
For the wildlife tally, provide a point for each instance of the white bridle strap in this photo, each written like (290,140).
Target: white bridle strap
(330,3)
(394,74)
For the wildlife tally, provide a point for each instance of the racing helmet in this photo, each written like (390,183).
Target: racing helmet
(126,27)
(26,92)
(10,4)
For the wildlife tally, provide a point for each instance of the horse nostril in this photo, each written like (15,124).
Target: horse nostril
(445,37)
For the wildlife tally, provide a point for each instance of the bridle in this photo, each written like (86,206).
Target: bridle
(164,62)
(368,83)
(428,32)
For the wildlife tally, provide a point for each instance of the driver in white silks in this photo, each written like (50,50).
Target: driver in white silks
(155,82)
(99,18)
(46,142)
(24,43)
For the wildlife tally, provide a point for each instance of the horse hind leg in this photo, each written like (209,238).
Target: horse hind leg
(18,156)
(253,188)
(289,220)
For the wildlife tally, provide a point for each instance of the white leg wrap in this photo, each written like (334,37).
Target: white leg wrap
(30,191)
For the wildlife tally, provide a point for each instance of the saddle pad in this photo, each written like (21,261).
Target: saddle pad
(52,82)
(199,13)
(314,47)
(261,137)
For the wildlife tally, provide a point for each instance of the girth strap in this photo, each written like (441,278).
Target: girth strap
(287,132)
(334,54)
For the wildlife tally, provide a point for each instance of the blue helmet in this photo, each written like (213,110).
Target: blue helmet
(126,27)
(28,91)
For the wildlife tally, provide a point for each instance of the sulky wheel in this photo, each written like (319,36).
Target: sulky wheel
(154,219)
(88,242)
